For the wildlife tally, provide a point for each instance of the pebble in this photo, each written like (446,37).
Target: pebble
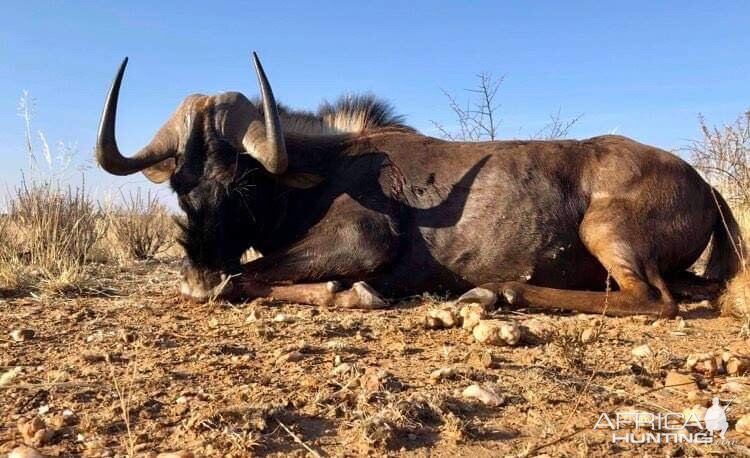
(704,363)
(443,318)
(20,335)
(282,317)
(24,452)
(642,351)
(589,335)
(743,425)
(735,364)
(341,369)
(483,394)
(471,315)
(496,332)
(442,374)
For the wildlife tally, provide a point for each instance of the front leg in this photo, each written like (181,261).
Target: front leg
(324,294)
(350,248)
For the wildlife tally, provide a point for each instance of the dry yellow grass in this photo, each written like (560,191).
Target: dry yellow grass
(141,227)
(48,237)
(736,298)
(723,156)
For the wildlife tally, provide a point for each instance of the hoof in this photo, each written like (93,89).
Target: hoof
(200,294)
(333,287)
(368,297)
(510,296)
(482,296)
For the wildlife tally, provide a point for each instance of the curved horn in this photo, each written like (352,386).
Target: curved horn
(108,154)
(272,152)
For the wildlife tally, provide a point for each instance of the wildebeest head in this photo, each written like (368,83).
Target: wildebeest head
(215,150)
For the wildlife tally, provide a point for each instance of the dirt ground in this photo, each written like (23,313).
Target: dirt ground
(130,368)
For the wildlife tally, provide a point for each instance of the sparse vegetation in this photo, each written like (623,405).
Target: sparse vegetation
(50,232)
(162,374)
(478,118)
(723,156)
(141,226)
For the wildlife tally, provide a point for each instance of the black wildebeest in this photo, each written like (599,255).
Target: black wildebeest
(350,194)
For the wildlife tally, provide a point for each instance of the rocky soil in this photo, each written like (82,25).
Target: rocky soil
(132,369)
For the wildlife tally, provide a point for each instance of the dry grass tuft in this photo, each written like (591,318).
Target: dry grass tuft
(49,233)
(141,226)
(736,298)
(723,156)
(14,272)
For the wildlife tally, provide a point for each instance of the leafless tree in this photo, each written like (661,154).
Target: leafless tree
(556,127)
(723,155)
(478,118)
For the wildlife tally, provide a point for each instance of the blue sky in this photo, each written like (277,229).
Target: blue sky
(644,69)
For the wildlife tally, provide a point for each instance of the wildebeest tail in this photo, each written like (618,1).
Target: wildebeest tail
(728,251)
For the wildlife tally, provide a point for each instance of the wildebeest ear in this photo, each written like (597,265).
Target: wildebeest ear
(301,180)
(161,171)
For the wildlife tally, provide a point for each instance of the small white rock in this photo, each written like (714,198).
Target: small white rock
(589,335)
(442,318)
(20,335)
(471,315)
(483,394)
(341,369)
(442,374)
(24,452)
(496,332)
(282,317)
(642,351)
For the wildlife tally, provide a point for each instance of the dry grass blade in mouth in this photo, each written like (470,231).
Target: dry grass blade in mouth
(141,225)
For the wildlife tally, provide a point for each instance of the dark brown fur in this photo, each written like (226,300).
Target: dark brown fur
(540,222)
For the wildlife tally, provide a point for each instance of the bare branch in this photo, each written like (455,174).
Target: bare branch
(478,119)
(723,156)
(556,128)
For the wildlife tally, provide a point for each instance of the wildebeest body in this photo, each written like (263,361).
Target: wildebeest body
(427,215)
(351,195)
